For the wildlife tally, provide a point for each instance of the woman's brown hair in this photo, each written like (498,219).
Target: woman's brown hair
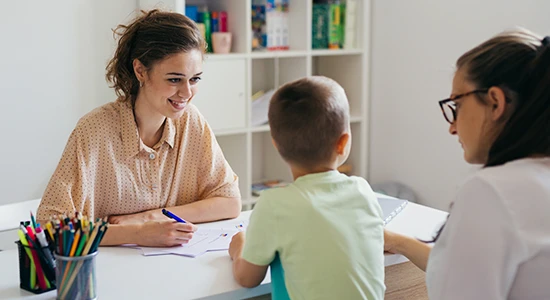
(518,62)
(149,38)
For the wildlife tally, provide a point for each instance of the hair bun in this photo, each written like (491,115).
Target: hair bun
(545,41)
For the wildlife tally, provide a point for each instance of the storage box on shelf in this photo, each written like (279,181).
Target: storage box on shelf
(230,81)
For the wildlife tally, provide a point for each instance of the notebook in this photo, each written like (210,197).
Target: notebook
(390,207)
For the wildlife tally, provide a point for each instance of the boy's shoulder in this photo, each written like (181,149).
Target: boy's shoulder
(279,192)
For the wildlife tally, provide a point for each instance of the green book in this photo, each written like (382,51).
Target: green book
(320,25)
(207,29)
(335,24)
(342,24)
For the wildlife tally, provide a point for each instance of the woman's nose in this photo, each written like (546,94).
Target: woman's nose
(185,92)
(452,128)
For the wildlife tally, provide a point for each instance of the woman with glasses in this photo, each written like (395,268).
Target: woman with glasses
(496,241)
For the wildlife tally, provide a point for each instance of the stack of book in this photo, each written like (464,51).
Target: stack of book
(270,25)
(333,24)
(207,21)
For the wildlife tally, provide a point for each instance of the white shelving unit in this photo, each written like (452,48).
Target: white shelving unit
(230,80)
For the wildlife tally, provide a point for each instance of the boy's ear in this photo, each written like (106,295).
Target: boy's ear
(274,144)
(341,144)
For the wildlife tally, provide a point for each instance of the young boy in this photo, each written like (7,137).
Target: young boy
(325,227)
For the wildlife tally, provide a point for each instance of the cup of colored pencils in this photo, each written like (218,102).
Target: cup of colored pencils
(76,242)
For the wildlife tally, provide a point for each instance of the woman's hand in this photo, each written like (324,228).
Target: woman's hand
(237,245)
(164,233)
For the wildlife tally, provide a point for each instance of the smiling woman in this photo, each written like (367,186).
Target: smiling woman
(151,148)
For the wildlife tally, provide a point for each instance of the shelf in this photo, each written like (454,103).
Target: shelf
(230,80)
(356,119)
(357,155)
(235,151)
(264,128)
(347,70)
(316,52)
(330,52)
(267,163)
(213,56)
(280,53)
(226,132)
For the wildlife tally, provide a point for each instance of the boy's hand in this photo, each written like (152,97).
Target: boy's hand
(237,245)
(391,241)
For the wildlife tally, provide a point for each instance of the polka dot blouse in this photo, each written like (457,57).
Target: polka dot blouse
(107,170)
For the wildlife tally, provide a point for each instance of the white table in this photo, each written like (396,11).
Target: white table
(123,273)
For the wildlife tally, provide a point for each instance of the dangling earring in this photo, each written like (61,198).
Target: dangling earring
(140,84)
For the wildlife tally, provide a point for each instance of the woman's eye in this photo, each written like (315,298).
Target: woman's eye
(195,79)
(457,107)
(174,80)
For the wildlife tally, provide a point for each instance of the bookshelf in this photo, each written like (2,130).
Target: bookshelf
(230,80)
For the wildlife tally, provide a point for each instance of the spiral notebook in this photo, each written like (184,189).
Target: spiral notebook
(391,207)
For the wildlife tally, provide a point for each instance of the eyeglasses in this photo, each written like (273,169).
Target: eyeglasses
(448,106)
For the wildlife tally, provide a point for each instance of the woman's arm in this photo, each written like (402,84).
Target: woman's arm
(415,250)
(207,210)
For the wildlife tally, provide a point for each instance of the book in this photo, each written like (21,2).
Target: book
(335,26)
(319,28)
(350,20)
(260,107)
(270,28)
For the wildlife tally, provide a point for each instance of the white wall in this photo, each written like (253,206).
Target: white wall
(52,65)
(414,47)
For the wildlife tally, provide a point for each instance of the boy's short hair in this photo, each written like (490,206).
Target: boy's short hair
(307,117)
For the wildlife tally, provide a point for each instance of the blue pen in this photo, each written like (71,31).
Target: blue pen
(172,216)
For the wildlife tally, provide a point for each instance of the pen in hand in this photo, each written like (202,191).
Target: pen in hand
(172,216)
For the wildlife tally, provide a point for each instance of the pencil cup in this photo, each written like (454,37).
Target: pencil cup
(28,275)
(221,42)
(75,277)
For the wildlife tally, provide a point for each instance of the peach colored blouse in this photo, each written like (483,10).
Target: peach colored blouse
(107,170)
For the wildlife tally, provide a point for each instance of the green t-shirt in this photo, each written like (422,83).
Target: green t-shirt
(327,228)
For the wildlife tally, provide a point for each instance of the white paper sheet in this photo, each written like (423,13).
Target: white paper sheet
(203,240)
